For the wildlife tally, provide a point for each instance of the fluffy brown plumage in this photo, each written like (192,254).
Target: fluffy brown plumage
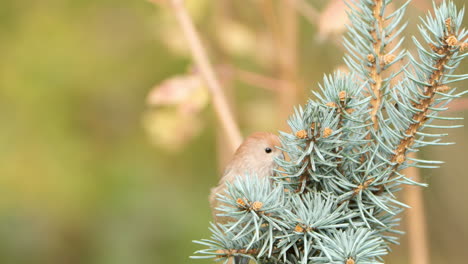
(255,156)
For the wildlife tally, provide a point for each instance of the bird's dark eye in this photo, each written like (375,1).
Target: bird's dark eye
(268,150)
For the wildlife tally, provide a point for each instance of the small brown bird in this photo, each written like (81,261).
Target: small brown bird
(255,156)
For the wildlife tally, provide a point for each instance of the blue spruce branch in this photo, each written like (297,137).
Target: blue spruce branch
(333,198)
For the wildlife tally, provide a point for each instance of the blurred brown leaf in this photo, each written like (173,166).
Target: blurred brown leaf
(185,92)
(174,119)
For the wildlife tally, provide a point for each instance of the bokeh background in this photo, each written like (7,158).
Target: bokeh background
(92,173)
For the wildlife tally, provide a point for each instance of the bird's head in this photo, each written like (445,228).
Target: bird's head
(257,154)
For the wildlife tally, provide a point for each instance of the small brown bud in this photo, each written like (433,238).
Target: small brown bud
(358,189)
(389,58)
(400,159)
(448,24)
(350,261)
(256,206)
(371,58)
(240,202)
(327,132)
(463,46)
(350,110)
(302,134)
(451,40)
(299,229)
(331,104)
(368,182)
(342,95)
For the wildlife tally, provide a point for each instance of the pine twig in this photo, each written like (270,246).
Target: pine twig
(375,72)
(424,106)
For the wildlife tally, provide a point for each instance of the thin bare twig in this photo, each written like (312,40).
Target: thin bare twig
(199,54)
(416,227)
(251,78)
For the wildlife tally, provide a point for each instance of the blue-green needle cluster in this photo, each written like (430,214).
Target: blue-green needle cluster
(333,196)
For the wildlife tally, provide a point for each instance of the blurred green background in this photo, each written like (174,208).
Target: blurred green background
(81,180)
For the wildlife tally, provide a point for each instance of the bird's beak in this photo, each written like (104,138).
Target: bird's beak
(280,155)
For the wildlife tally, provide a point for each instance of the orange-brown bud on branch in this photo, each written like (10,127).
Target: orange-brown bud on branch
(302,134)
